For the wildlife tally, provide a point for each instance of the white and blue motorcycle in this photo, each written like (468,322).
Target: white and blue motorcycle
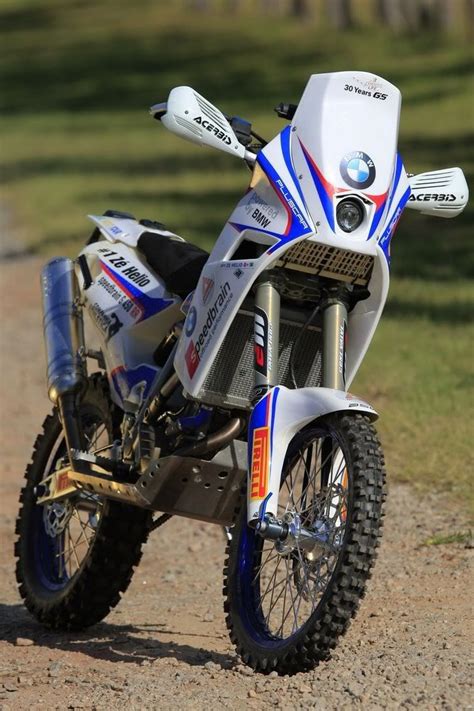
(222,391)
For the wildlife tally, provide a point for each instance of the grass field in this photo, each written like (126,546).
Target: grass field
(77,80)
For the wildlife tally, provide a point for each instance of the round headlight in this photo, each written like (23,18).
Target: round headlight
(349,215)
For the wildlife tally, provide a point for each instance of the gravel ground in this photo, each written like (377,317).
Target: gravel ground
(166,646)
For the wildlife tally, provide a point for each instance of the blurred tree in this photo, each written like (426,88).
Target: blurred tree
(300,8)
(271,6)
(414,15)
(339,12)
(469,15)
(390,13)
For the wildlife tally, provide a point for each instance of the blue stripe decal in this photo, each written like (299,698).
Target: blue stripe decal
(393,189)
(396,180)
(298,226)
(326,201)
(150,305)
(272,425)
(385,239)
(285,136)
(375,222)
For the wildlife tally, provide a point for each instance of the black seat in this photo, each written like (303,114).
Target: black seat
(178,263)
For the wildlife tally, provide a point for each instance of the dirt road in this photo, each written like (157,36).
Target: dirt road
(166,646)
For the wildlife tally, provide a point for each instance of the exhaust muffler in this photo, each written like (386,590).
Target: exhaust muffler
(63,327)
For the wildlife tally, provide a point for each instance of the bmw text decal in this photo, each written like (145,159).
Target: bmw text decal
(357,169)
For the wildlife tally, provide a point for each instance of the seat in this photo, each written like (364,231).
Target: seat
(179,264)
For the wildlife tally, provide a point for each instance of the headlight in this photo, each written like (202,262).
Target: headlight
(349,215)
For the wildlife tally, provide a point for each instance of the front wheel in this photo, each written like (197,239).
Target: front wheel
(288,602)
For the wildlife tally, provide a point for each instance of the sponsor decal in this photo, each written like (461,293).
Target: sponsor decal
(432,197)
(207,289)
(262,342)
(239,265)
(254,201)
(357,169)
(342,351)
(198,346)
(192,359)
(260,218)
(109,324)
(123,265)
(191,321)
(260,462)
(369,89)
(238,273)
(218,133)
(110,226)
(291,203)
(370,85)
(127,304)
(391,227)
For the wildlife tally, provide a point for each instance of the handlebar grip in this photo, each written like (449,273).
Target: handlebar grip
(159,110)
(286,111)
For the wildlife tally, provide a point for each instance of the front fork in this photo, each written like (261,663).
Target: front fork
(334,307)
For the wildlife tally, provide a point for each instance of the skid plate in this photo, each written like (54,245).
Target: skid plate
(207,490)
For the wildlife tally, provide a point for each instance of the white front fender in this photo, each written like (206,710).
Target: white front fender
(275,420)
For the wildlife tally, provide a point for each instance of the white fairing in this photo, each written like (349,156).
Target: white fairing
(297,182)
(345,143)
(192,117)
(275,421)
(130,307)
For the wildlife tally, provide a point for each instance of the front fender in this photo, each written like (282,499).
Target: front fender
(275,420)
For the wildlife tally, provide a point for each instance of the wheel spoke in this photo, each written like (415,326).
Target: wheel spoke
(313,488)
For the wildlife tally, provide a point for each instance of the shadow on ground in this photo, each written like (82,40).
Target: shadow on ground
(109,642)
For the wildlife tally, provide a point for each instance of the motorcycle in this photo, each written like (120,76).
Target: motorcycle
(222,391)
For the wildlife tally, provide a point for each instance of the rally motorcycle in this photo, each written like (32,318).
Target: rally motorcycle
(221,392)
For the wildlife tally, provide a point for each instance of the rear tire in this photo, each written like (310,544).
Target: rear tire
(287,609)
(74,592)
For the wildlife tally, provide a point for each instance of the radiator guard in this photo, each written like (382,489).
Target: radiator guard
(230,379)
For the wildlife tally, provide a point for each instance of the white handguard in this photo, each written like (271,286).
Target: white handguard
(439,192)
(191,116)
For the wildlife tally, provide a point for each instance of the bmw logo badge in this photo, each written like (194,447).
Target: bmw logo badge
(191,321)
(357,169)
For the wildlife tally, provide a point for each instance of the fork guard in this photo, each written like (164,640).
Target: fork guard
(275,420)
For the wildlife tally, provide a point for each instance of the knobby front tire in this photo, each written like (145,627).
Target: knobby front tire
(287,606)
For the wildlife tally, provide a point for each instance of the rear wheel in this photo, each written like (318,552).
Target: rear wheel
(75,557)
(288,602)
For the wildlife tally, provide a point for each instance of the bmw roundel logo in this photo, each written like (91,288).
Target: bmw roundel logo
(358,169)
(191,321)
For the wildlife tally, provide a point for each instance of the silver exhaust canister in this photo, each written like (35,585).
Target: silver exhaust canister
(63,327)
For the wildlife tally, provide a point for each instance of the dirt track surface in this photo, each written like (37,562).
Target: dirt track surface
(166,645)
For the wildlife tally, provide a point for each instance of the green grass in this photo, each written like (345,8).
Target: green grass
(449,538)
(77,80)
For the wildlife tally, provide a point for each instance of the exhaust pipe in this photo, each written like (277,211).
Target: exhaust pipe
(63,327)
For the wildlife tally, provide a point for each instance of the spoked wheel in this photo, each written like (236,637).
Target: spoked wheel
(75,556)
(288,601)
